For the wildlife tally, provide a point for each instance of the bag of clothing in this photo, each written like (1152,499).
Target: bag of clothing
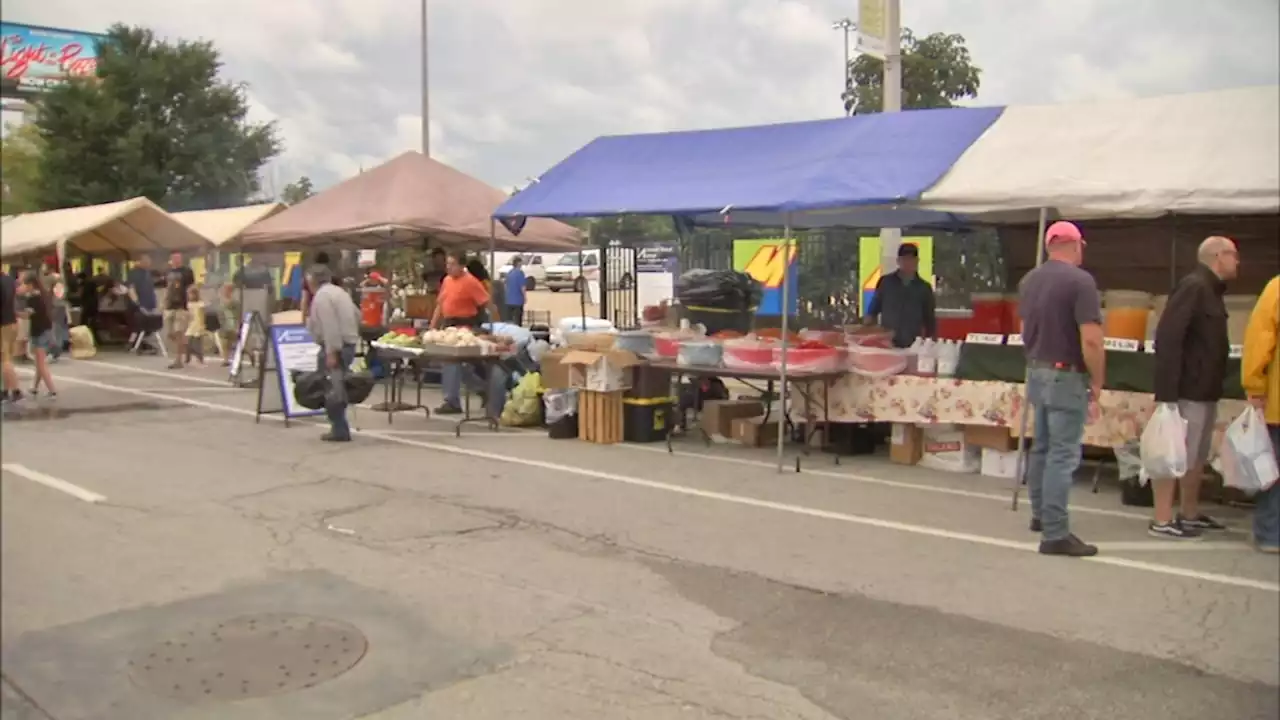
(720,289)
(1164,443)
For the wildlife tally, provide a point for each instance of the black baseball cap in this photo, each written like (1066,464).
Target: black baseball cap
(908,250)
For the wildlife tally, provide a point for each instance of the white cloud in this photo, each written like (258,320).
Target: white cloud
(516,85)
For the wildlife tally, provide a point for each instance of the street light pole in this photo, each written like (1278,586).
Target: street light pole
(426,81)
(847,26)
(891,238)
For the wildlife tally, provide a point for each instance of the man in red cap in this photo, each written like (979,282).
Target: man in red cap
(1062,337)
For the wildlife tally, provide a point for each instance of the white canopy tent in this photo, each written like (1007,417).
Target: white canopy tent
(226,224)
(127,227)
(1200,153)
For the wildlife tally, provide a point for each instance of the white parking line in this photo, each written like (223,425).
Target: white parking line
(1002,498)
(561,469)
(74,491)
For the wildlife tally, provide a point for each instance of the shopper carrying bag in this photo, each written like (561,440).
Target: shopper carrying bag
(1164,443)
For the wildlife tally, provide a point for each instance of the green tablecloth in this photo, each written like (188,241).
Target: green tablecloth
(1126,371)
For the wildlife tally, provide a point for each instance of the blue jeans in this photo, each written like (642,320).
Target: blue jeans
(452,376)
(337,413)
(1266,513)
(1060,402)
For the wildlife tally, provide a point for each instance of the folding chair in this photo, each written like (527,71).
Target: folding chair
(151,325)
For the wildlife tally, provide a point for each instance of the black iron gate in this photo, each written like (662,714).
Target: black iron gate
(619,302)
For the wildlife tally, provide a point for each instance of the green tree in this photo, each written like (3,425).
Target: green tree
(20,169)
(156,121)
(936,72)
(297,191)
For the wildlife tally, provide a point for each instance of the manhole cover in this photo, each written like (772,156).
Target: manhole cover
(249,656)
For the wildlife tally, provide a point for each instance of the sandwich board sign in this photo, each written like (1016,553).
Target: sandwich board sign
(290,349)
(250,339)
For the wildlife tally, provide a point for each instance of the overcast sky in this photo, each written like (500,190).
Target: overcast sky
(516,85)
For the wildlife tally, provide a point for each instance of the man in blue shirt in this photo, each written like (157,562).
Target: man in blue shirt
(515,292)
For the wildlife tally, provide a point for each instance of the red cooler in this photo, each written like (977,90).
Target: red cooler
(373,303)
(989,314)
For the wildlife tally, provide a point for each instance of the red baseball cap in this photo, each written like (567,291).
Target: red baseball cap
(1063,231)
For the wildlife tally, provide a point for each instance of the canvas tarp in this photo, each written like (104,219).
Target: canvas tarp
(404,200)
(128,227)
(819,172)
(1213,152)
(226,224)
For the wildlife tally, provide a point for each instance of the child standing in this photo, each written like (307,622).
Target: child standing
(229,319)
(196,326)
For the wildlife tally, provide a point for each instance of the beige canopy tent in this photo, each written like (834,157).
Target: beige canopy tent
(226,224)
(127,227)
(411,197)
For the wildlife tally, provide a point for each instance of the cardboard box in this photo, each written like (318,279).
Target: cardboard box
(999,463)
(946,450)
(718,415)
(755,432)
(906,444)
(555,374)
(649,382)
(990,436)
(600,371)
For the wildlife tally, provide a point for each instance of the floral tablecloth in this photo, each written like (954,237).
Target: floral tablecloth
(927,400)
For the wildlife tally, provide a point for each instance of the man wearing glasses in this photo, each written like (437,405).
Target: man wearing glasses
(1191,365)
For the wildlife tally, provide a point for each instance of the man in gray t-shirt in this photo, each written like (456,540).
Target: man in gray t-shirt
(1062,336)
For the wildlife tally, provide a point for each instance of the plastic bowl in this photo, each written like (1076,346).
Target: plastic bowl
(877,362)
(826,337)
(811,360)
(748,355)
(666,346)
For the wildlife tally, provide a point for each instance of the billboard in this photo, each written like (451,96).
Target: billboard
(34,58)
(869,263)
(764,261)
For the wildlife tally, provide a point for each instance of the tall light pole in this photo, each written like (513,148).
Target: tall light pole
(847,26)
(426,81)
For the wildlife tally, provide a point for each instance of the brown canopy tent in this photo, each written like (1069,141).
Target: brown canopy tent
(409,198)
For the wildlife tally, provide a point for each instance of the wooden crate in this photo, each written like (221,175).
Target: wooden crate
(600,417)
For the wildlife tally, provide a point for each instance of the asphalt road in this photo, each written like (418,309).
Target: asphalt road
(497,576)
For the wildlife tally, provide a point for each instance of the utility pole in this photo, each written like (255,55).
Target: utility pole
(847,26)
(891,238)
(426,81)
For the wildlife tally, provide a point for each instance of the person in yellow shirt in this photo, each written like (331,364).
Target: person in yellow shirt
(1260,376)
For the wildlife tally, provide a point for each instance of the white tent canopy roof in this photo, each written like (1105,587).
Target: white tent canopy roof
(224,225)
(1202,153)
(125,227)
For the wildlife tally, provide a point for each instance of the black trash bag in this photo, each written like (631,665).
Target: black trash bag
(310,389)
(359,387)
(720,289)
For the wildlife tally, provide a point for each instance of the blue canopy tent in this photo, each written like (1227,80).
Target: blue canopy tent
(845,172)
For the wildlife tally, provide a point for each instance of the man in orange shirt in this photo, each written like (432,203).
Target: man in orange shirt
(463,302)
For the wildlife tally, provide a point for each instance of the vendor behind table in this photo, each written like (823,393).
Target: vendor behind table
(462,302)
(904,302)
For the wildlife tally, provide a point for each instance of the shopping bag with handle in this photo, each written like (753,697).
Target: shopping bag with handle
(1164,444)
(1255,459)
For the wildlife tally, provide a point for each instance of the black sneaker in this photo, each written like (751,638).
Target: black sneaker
(1173,531)
(330,437)
(447,409)
(1200,522)
(1035,525)
(1069,546)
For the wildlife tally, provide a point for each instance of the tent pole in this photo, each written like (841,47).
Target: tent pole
(785,307)
(1019,474)
(493,267)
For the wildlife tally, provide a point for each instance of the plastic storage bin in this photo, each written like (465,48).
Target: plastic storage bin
(811,360)
(748,354)
(700,353)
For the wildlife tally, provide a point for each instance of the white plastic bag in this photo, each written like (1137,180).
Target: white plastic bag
(1249,461)
(1164,444)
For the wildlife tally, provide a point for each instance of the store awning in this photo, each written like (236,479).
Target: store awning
(226,224)
(1201,153)
(127,227)
(846,171)
(408,199)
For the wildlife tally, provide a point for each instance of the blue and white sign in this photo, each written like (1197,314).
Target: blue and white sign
(295,351)
(657,259)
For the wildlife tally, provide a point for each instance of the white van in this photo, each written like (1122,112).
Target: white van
(569,274)
(535,273)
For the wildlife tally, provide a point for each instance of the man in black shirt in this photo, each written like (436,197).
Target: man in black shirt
(436,270)
(8,335)
(904,301)
(177,279)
